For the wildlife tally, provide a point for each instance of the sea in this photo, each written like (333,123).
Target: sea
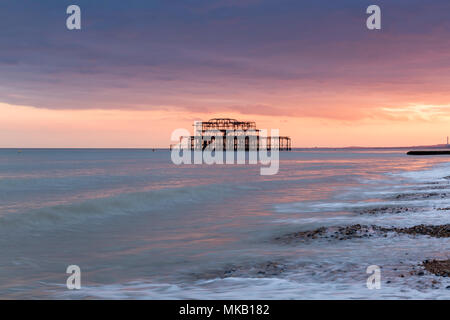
(140,227)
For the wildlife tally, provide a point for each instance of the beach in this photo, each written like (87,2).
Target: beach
(140,227)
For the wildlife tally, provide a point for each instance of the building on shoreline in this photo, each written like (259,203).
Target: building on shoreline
(230,134)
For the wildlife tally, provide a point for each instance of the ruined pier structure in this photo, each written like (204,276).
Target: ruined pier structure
(230,134)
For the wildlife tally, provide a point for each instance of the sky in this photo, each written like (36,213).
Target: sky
(139,69)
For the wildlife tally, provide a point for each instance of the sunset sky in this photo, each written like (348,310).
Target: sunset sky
(139,69)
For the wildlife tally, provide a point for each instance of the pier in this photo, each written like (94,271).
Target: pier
(230,134)
(427,152)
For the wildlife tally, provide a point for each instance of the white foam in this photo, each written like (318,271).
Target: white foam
(255,289)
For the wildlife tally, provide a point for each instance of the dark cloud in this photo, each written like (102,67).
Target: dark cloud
(189,54)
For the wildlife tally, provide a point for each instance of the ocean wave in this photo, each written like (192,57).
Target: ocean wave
(155,201)
(254,288)
(436,173)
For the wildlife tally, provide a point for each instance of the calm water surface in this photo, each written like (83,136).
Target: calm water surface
(140,227)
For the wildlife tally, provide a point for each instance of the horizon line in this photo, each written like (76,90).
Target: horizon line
(168,148)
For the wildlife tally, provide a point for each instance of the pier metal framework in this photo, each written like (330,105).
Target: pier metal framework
(231,134)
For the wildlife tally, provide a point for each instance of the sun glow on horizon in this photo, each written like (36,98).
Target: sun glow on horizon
(25,126)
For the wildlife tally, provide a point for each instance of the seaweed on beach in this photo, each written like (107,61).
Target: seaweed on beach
(332,233)
(440,231)
(437,267)
(364,231)
(419,196)
(259,270)
(389,210)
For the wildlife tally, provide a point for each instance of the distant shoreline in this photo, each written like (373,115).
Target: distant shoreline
(293,149)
